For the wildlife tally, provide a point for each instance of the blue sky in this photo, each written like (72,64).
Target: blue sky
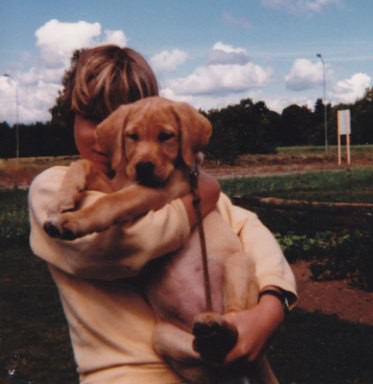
(210,53)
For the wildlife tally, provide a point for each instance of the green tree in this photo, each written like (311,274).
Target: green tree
(7,141)
(223,144)
(295,126)
(362,119)
(62,122)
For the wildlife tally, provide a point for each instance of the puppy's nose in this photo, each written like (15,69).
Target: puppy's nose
(144,170)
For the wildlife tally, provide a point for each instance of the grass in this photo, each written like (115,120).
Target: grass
(356,150)
(354,185)
(314,348)
(14,225)
(34,341)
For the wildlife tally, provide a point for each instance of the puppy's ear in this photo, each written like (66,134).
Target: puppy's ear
(195,131)
(110,134)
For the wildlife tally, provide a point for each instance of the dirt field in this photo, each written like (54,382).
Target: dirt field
(333,297)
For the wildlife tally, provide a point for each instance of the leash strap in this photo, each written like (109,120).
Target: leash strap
(194,173)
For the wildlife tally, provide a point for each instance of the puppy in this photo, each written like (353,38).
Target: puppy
(152,144)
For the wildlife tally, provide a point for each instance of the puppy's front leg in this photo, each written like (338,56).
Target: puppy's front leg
(80,175)
(118,207)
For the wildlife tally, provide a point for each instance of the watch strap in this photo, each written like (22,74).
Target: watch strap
(283,299)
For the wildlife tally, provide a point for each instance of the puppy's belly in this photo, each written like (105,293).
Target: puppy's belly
(176,290)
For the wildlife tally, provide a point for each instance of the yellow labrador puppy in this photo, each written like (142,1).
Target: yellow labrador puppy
(152,145)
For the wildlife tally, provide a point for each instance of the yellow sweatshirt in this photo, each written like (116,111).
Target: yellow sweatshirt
(110,324)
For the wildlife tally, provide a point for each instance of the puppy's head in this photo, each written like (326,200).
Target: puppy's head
(153,136)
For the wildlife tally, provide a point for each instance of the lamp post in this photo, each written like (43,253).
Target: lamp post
(324,101)
(17,123)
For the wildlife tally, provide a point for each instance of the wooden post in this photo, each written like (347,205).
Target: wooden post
(348,149)
(339,138)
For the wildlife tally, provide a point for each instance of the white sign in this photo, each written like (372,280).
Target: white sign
(344,128)
(344,122)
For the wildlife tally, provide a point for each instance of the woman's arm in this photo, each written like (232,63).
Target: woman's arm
(122,250)
(259,244)
(257,325)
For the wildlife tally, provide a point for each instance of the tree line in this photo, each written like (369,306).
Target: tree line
(243,128)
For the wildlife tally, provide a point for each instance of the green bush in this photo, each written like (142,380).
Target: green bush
(334,255)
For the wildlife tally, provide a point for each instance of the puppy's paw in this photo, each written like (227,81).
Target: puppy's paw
(214,337)
(58,226)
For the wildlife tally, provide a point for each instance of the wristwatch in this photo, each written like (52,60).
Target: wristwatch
(284,300)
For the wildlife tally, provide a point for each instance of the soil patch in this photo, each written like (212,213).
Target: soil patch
(334,297)
(271,168)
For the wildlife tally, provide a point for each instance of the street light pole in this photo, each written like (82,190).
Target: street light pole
(324,102)
(17,122)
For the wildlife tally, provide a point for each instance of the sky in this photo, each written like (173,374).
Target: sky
(210,53)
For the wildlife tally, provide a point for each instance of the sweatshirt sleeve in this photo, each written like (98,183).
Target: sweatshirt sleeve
(261,246)
(119,252)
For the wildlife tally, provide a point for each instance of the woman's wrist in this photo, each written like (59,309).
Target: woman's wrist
(271,311)
(276,293)
(255,327)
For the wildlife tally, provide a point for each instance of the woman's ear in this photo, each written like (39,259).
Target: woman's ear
(195,131)
(110,135)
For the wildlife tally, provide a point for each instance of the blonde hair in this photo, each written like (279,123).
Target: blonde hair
(104,77)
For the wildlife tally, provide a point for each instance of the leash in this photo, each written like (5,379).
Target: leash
(194,173)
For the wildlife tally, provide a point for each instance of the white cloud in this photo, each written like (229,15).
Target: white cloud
(57,40)
(115,37)
(221,79)
(227,54)
(38,87)
(305,74)
(208,102)
(349,90)
(301,6)
(226,79)
(168,60)
(279,104)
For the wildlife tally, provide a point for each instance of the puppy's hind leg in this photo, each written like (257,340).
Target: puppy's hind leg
(240,286)
(214,337)
(175,346)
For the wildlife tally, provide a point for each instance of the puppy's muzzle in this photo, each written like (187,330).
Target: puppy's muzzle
(145,172)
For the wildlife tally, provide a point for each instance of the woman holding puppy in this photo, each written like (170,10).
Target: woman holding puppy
(109,321)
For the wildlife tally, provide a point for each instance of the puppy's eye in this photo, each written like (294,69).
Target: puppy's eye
(165,136)
(133,136)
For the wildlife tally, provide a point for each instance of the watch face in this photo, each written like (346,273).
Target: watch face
(286,303)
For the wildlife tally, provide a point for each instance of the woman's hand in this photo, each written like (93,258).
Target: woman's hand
(255,327)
